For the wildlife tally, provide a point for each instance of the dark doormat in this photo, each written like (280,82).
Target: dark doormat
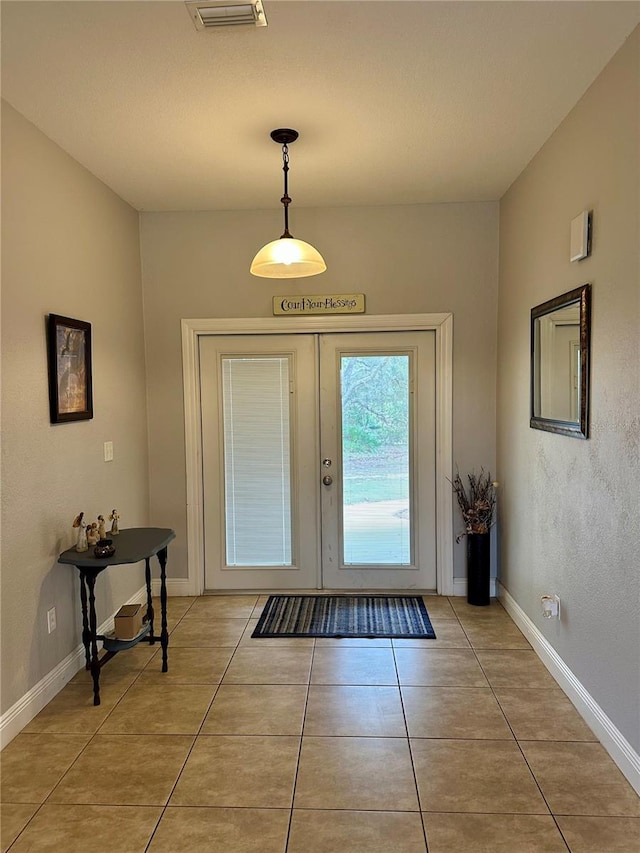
(371,616)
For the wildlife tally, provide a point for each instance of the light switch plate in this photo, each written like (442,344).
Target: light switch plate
(580,236)
(108,451)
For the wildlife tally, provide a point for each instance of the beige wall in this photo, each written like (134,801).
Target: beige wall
(570,509)
(69,246)
(407,259)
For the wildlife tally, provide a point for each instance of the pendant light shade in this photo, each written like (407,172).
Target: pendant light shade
(287,257)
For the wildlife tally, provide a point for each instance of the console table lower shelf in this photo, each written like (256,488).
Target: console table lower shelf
(132,546)
(112,645)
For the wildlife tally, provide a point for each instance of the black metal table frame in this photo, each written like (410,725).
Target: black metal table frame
(90,636)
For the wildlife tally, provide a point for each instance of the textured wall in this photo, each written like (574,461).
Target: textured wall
(69,246)
(570,509)
(407,259)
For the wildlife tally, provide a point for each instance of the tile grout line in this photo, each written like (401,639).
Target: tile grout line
(237,646)
(164,807)
(25,826)
(477,649)
(473,648)
(92,737)
(533,776)
(295,777)
(408,739)
(195,737)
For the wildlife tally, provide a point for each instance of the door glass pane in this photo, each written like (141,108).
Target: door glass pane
(376,511)
(257,478)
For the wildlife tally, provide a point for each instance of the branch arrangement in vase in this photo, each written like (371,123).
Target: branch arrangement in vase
(477,502)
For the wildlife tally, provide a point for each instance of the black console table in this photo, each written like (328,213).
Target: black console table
(132,546)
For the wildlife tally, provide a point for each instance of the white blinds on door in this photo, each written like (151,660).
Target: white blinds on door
(257,471)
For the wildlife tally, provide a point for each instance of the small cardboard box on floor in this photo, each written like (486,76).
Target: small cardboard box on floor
(128,621)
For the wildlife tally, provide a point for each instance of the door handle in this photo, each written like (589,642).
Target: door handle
(327,480)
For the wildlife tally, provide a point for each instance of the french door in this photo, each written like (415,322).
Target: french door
(318,458)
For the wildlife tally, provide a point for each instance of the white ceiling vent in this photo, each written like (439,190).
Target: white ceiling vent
(208,15)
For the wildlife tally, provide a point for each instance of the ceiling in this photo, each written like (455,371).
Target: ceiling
(396,102)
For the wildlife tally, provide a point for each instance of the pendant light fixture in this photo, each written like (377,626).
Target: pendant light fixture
(287,257)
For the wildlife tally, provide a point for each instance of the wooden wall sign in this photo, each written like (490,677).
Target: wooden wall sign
(340,303)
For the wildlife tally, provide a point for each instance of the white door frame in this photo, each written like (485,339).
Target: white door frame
(441,324)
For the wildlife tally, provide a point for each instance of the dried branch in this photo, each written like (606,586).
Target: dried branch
(477,505)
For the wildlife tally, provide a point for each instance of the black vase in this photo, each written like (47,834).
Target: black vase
(478,567)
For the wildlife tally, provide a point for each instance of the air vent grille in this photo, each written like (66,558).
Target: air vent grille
(206,16)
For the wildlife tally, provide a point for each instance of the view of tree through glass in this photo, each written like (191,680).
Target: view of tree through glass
(375,459)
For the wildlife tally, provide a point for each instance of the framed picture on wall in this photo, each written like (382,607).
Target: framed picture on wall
(70,382)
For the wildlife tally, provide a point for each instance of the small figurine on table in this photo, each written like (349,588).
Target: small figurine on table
(92,533)
(79,522)
(115,515)
(101,531)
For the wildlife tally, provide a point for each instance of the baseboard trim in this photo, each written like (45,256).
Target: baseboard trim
(618,747)
(460,587)
(25,709)
(176,587)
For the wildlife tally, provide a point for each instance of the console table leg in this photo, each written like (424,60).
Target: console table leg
(164,633)
(86,634)
(93,624)
(147,576)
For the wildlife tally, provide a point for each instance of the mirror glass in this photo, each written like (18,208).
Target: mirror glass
(559,363)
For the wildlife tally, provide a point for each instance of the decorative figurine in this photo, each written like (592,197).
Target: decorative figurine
(115,515)
(102,534)
(79,522)
(92,533)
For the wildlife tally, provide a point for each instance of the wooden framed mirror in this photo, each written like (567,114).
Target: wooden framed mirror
(560,355)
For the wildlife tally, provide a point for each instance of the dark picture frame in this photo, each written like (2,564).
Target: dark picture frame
(579,300)
(70,377)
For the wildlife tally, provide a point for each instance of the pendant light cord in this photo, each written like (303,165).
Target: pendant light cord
(286,201)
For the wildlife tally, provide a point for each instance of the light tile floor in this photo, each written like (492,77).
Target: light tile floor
(461,744)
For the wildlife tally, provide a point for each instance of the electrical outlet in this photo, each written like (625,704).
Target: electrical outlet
(550,606)
(51,620)
(108,451)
